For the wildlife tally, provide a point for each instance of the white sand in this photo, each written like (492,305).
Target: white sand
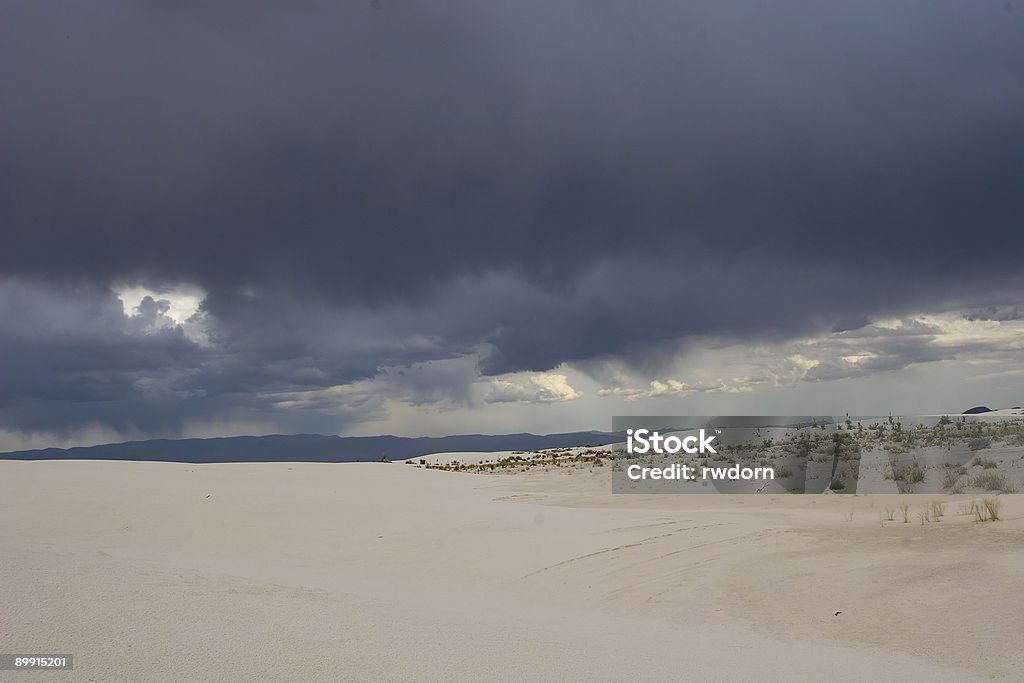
(161,572)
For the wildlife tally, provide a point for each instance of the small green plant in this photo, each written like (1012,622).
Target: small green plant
(938,510)
(991,506)
(980,513)
(985,463)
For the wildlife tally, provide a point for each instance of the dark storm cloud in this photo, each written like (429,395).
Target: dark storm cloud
(891,349)
(850,322)
(71,358)
(995,313)
(605,178)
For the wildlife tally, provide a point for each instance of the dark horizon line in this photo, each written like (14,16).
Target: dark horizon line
(331,447)
(309,447)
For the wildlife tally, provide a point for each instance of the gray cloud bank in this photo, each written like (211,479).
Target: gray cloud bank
(358,186)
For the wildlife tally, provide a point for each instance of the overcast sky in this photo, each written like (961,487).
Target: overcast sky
(238,216)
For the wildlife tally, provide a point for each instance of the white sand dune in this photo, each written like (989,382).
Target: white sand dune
(1002,412)
(162,572)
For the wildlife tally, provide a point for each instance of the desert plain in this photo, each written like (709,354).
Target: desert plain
(150,571)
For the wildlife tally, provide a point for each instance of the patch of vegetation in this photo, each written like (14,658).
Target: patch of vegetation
(951,477)
(980,443)
(908,475)
(987,510)
(991,506)
(839,444)
(520,461)
(905,512)
(991,481)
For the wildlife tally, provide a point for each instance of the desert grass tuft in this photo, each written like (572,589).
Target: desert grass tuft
(991,481)
(905,511)
(991,506)
(952,477)
(987,510)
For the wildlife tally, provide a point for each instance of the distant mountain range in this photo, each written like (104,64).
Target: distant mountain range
(321,448)
(309,447)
